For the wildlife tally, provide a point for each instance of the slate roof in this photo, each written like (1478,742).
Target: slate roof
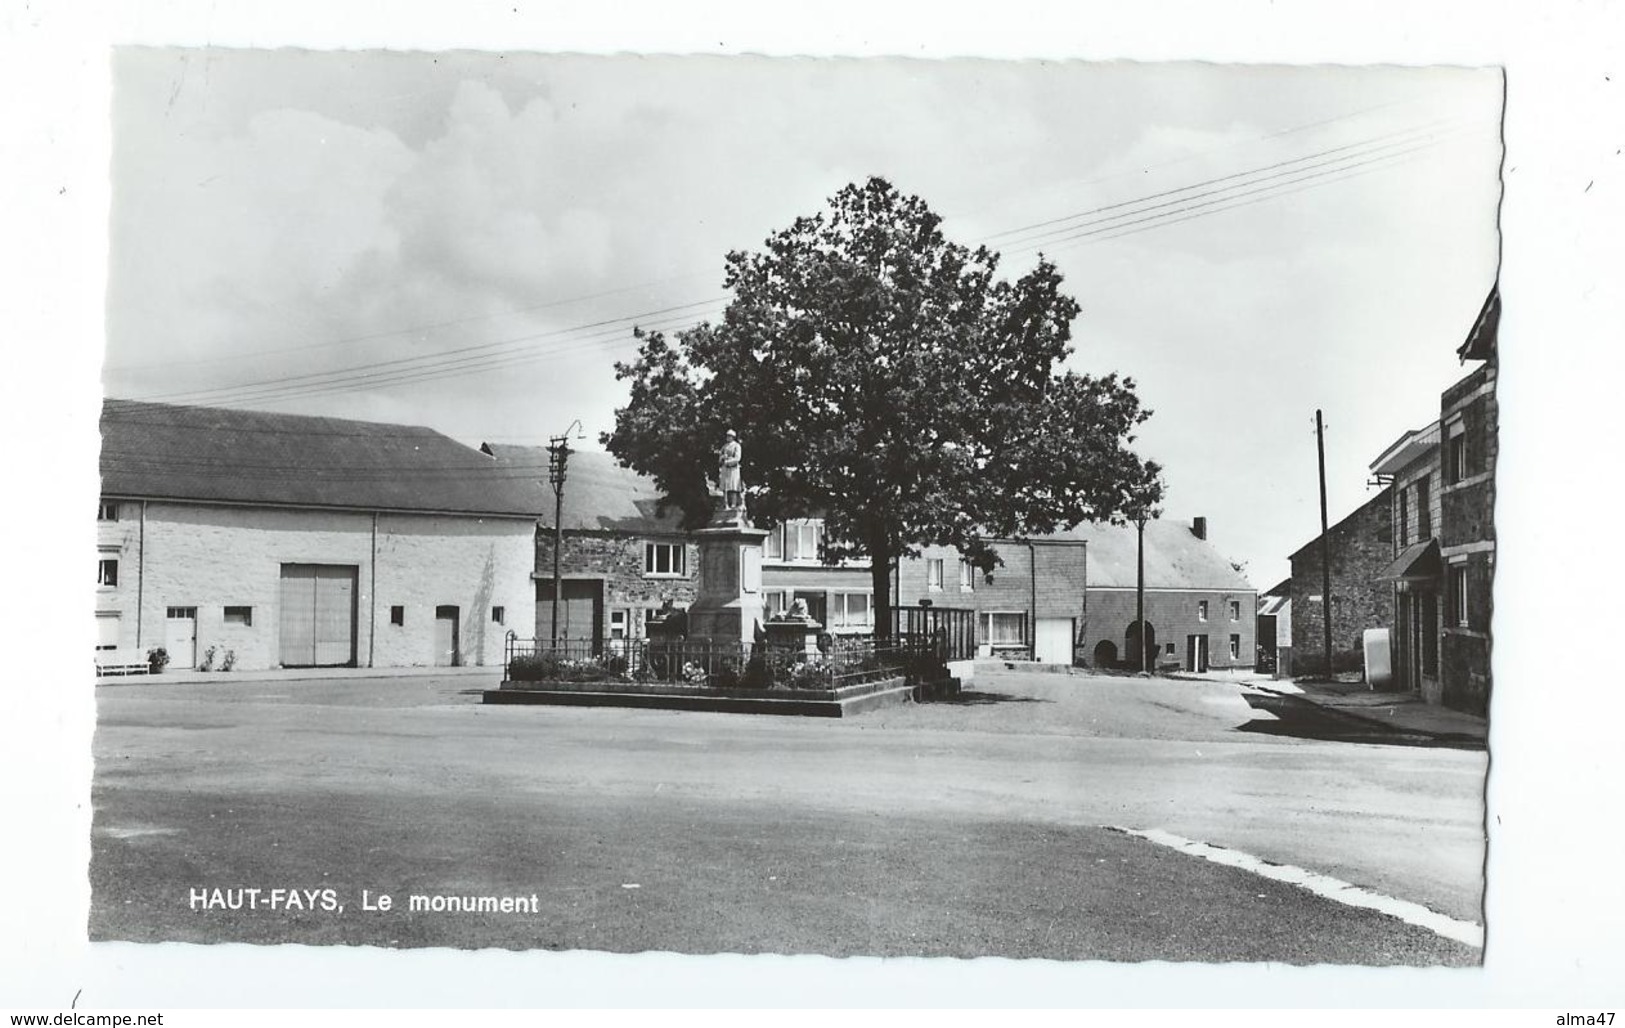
(1174,558)
(599,494)
(215,454)
(1382,498)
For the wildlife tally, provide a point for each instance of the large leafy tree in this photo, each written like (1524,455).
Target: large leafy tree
(886,379)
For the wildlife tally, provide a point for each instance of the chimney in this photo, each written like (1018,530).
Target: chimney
(1199,527)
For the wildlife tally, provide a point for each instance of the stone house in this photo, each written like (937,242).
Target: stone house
(1414,574)
(295,541)
(1200,610)
(1360,546)
(1469,420)
(1070,597)
(1442,571)
(622,559)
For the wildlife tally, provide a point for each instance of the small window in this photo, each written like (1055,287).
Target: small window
(1458,594)
(1424,511)
(1235,610)
(1201,610)
(397,615)
(669,559)
(967,576)
(617,624)
(1168,649)
(107,511)
(933,573)
(1235,647)
(239,615)
(107,631)
(106,571)
(1455,456)
(499,615)
(1404,524)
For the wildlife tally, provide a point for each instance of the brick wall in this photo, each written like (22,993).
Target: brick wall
(1361,547)
(213,557)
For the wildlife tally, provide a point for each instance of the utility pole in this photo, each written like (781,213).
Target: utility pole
(558,460)
(1139,595)
(1325,547)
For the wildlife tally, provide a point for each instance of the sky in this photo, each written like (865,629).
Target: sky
(465,240)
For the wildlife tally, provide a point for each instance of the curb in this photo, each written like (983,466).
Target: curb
(1390,726)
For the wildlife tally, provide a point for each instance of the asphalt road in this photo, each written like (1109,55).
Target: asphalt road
(959,829)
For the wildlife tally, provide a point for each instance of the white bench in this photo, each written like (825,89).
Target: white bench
(121,662)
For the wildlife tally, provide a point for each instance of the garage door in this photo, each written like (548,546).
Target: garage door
(1053,642)
(581,614)
(318,615)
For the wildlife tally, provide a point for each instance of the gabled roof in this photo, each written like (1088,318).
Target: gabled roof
(599,494)
(1481,339)
(1174,558)
(1382,498)
(221,455)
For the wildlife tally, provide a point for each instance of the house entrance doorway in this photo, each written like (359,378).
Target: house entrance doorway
(447,630)
(1196,653)
(180,636)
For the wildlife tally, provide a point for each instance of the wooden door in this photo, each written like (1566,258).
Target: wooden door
(317,615)
(180,637)
(447,636)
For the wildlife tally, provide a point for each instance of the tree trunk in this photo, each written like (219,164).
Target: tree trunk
(880,561)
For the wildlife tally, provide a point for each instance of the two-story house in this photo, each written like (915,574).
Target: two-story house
(1442,574)
(622,558)
(1414,574)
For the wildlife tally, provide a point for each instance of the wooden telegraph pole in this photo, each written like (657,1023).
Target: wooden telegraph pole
(1325,547)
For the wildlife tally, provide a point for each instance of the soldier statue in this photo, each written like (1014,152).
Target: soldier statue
(733,489)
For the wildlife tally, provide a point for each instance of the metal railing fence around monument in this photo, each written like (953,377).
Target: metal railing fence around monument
(704,663)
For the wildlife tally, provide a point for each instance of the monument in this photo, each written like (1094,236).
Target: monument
(728,607)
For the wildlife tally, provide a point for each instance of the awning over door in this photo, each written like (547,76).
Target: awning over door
(1417,563)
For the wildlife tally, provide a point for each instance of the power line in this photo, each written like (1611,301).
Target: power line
(1305,179)
(415,329)
(1251,177)
(473,359)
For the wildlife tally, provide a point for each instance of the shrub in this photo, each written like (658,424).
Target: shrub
(208,660)
(157,660)
(229,661)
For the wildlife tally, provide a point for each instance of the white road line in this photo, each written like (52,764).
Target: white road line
(1333,889)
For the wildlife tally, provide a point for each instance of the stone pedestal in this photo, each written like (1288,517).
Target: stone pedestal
(794,635)
(729,604)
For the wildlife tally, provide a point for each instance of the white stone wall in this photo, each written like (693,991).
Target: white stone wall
(212,557)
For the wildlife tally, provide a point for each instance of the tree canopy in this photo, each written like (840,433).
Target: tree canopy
(887,380)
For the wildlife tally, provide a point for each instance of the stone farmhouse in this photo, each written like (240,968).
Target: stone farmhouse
(283,540)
